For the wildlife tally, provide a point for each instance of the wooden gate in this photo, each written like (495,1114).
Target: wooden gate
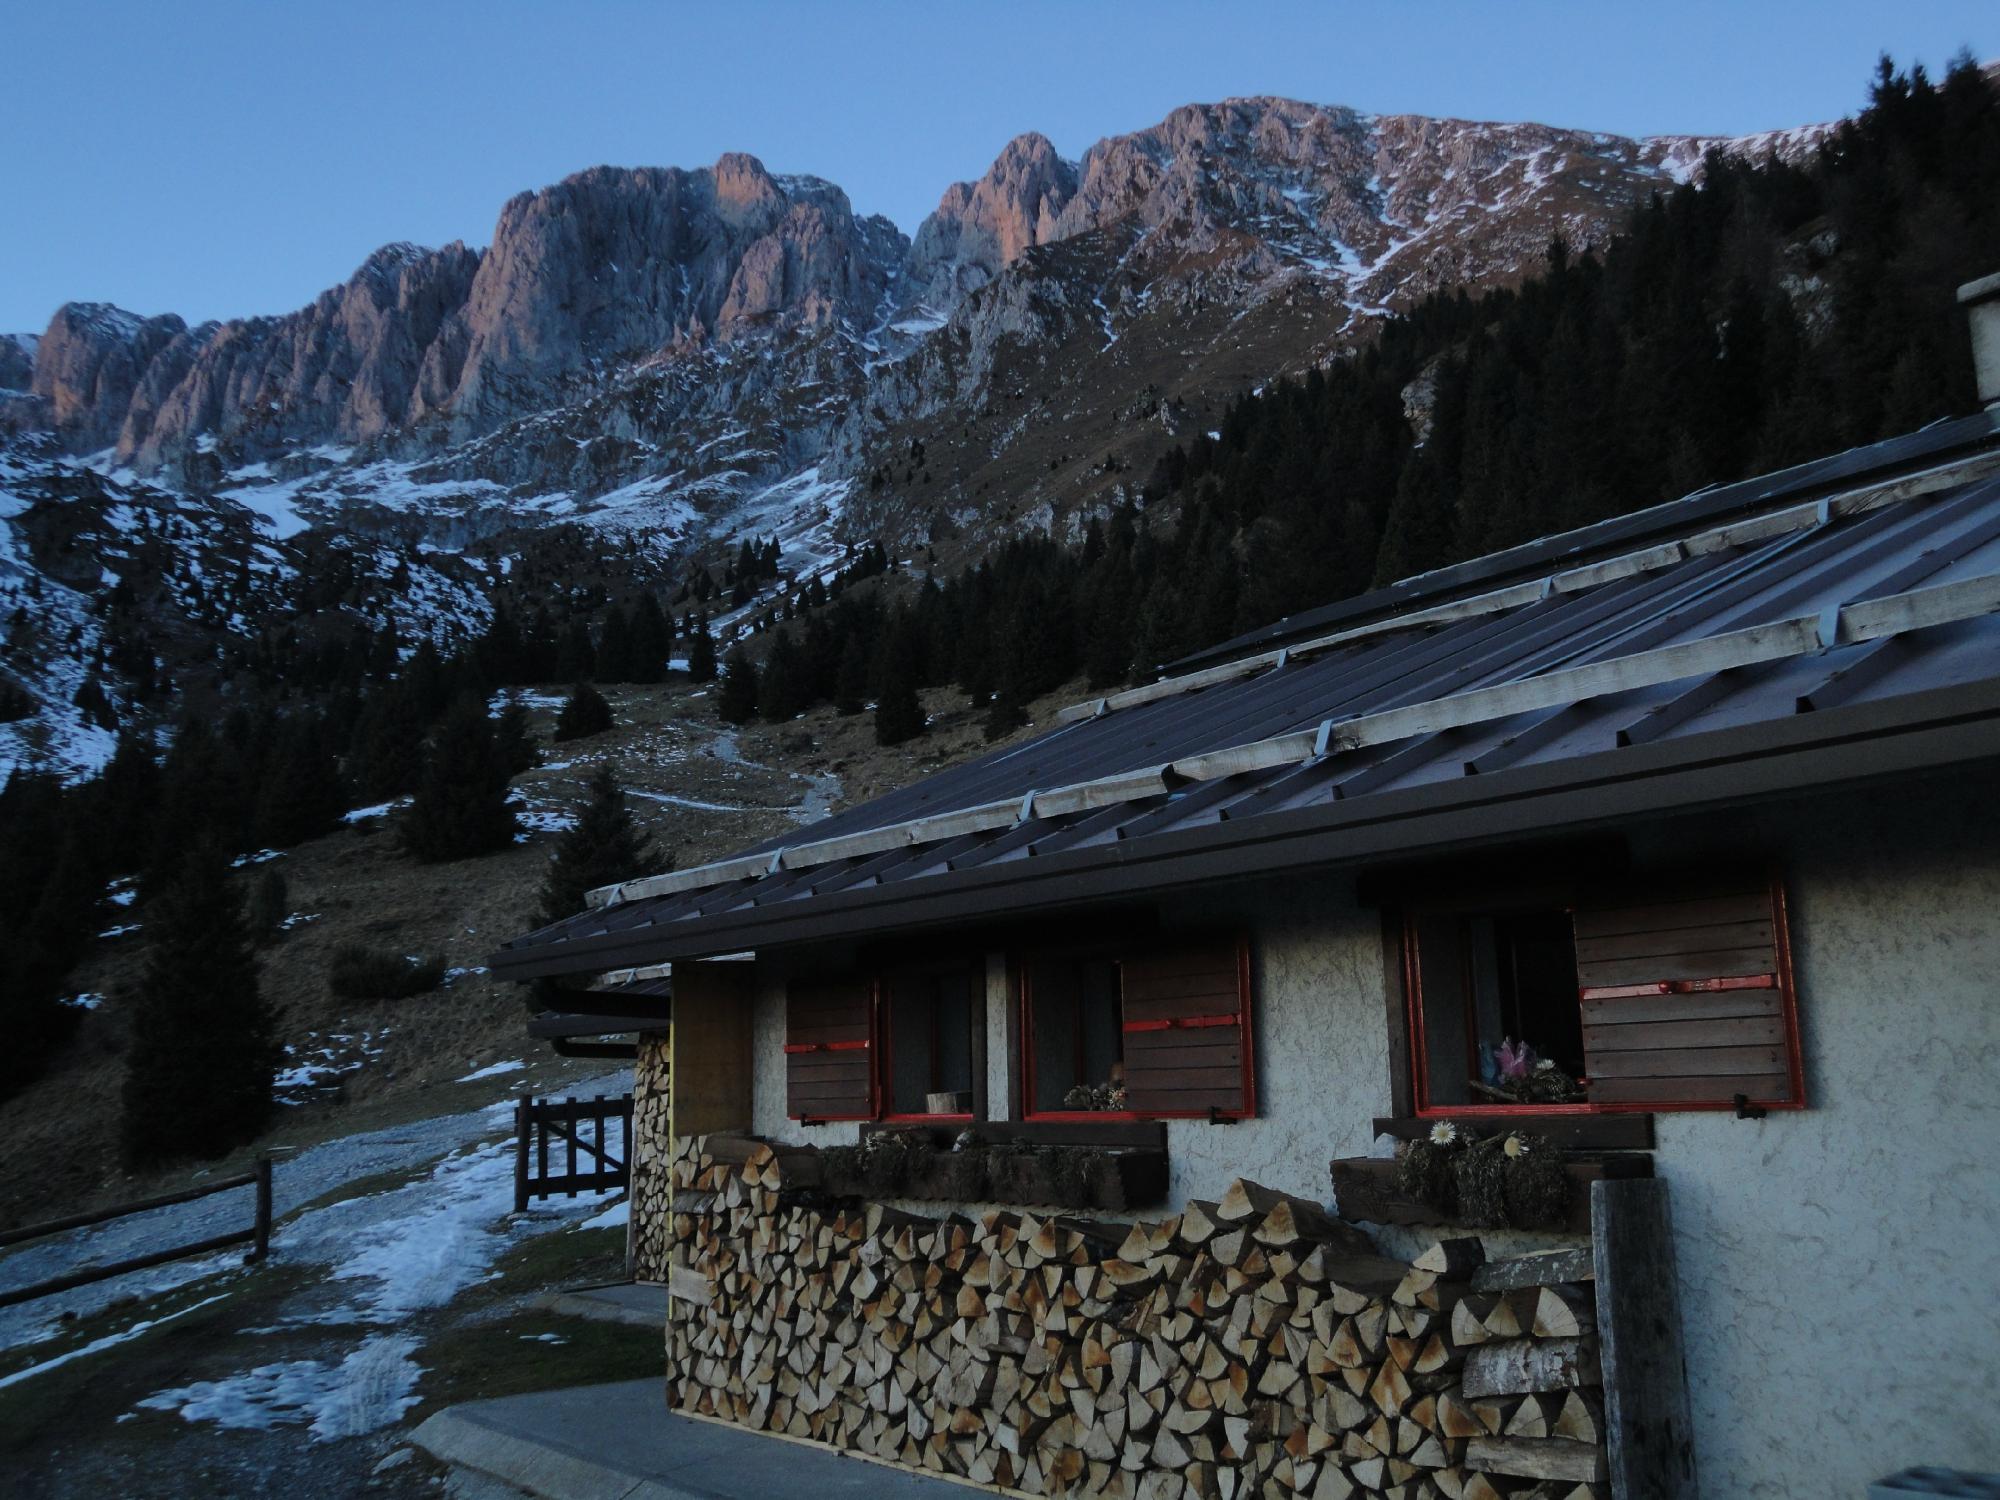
(598,1129)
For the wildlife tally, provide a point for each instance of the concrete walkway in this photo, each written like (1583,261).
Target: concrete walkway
(632,1302)
(618,1442)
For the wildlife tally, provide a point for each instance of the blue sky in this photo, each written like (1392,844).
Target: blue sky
(218,159)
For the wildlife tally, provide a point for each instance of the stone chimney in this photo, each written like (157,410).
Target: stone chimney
(1981,300)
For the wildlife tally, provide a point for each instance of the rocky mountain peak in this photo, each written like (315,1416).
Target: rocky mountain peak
(17,360)
(981,227)
(88,363)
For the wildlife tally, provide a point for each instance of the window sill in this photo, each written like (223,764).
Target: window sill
(1573,1128)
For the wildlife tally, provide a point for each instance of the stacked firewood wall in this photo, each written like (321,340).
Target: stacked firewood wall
(1252,1346)
(651,1188)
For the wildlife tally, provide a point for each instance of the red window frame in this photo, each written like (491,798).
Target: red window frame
(884,1031)
(1420,1059)
(1244,1020)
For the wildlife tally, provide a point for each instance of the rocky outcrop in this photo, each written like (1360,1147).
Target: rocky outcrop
(616,264)
(606,269)
(345,369)
(979,228)
(725,328)
(89,363)
(17,360)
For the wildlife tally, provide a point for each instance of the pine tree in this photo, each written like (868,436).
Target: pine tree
(602,849)
(46,928)
(388,752)
(460,807)
(782,691)
(199,1067)
(850,689)
(1003,718)
(737,702)
(701,654)
(652,640)
(300,793)
(899,714)
(270,905)
(583,714)
(575,658)
(615,659)
(513,740)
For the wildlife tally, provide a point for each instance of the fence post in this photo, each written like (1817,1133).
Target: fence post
(261,1245)
(521,1154)
(575,1128)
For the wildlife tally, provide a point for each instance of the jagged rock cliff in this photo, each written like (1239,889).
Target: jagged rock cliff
(607,268)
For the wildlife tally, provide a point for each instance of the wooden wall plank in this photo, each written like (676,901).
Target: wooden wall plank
(1675,1062)
(1712,963)
(1649,1433)
(711,1066)
(1701,911)
(1624,1010)
(1761,1088)
(1732,1031)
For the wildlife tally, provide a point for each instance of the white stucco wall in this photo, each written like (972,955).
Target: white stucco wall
(1839,1265)
(1322,1042)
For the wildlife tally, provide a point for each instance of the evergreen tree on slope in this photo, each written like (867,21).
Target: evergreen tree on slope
(460,806)
(203,1051)
(602,849)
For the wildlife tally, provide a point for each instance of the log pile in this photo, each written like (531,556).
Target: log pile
(651,1187)
(1251,1346)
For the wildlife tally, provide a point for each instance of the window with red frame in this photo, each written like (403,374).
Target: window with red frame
(1675,997)
(932,1018)
(1157,1032)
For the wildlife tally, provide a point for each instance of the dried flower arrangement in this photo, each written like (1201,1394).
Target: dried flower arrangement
(1094,1096)
(1509,1180)
(1516,1074)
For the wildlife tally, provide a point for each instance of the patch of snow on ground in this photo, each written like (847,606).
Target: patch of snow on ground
(492,1070)
(324,1236)
(688,802)
(124,1335)
(369,1389)
(614,1217)
(542,820)
(88,1000)
(379,810)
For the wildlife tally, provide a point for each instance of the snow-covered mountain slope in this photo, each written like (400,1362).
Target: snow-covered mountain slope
(675,360)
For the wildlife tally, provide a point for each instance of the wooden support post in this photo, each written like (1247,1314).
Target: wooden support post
(1648,1432)
(260,1246)
(521,1154)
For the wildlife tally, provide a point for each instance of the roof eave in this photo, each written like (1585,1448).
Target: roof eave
(1910,734)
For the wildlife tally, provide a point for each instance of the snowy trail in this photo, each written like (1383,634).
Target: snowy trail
(389,1256)
(297,1180)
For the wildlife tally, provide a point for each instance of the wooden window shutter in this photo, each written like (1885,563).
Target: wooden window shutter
(829,1065)
(1687,998)
(1187,1032)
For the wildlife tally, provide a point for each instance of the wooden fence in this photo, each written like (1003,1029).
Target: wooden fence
(537,1122)
(257,1236)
